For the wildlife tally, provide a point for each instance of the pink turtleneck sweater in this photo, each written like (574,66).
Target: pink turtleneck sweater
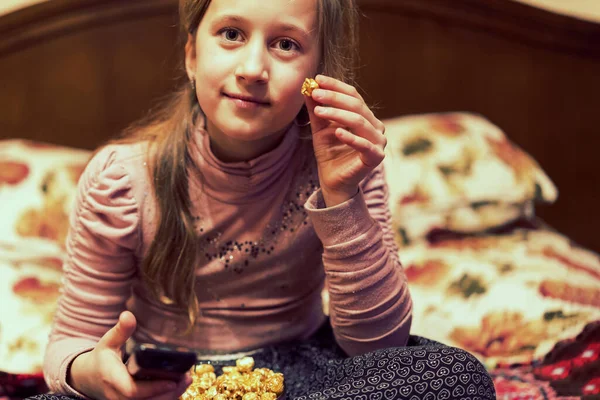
(267,242)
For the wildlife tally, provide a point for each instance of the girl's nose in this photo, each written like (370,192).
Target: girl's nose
(253,63)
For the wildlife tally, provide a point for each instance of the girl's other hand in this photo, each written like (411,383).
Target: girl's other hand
(348,139)
(100,373)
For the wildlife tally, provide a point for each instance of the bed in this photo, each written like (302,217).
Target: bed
(491,115)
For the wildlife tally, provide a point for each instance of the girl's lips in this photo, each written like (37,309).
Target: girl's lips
(241,100)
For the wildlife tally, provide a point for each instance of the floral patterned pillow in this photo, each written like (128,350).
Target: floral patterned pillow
(507,298)
(458,172)
(37,187)
(38,183)
(29,290)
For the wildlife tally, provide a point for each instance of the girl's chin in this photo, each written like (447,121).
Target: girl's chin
(251,132)
(244,135)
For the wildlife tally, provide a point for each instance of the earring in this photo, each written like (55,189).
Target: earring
(193,84)
(301,125)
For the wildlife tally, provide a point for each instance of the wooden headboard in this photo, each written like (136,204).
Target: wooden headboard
(77,72)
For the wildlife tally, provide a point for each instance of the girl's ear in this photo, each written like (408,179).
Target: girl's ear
(190,56)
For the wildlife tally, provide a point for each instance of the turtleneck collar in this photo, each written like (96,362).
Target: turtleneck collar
(243,181)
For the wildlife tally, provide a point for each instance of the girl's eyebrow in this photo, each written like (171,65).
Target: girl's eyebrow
(285,27)
(226,19)
(297,30)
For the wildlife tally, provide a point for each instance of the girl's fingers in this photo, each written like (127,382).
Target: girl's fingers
(346,102)
(128,388)
(316,122)
(329,83)
(356,122)
(335,85)
(339,100)
(116,337)
(166,396)
(370,155)
(177,392)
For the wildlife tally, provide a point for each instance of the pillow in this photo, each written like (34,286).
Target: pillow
(458,172)
(508,298)
(38,183)
(29,291)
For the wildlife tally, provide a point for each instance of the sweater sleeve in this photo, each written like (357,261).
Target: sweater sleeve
(99,267)
(369,301)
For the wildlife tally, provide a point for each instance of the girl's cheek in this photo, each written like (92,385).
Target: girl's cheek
(294,77)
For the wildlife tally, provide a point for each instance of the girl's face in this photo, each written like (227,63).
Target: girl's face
(249,59)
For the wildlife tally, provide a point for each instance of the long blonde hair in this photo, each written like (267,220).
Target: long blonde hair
(168,268)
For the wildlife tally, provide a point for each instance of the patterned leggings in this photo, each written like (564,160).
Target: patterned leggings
(318,369)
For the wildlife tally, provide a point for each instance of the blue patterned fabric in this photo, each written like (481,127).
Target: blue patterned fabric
(318,369)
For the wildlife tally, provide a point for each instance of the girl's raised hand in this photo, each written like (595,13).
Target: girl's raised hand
(100,373)
(348,139)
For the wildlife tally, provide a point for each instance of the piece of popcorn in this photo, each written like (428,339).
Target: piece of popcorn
(308,86)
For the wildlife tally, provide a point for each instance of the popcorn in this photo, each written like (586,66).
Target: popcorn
(275,383)
(239,382)
(308,86)
(245,364)
(204,368)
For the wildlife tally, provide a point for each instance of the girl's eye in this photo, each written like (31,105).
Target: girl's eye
(288,45)
(230,34)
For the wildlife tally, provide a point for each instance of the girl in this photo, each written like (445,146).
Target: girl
(215,224)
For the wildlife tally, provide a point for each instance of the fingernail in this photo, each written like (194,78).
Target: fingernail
(318,94)
(321,110)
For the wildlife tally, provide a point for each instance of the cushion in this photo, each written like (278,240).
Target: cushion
(458,172)
(38,183)
(507,298)
(29,290)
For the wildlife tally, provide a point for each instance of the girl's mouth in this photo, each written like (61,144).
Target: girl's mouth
(243,101)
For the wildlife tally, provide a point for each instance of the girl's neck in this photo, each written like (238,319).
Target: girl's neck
(230,150)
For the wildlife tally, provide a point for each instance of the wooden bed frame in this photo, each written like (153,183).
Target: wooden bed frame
(77,72)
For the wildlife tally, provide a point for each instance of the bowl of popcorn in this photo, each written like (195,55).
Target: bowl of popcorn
(239,382)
